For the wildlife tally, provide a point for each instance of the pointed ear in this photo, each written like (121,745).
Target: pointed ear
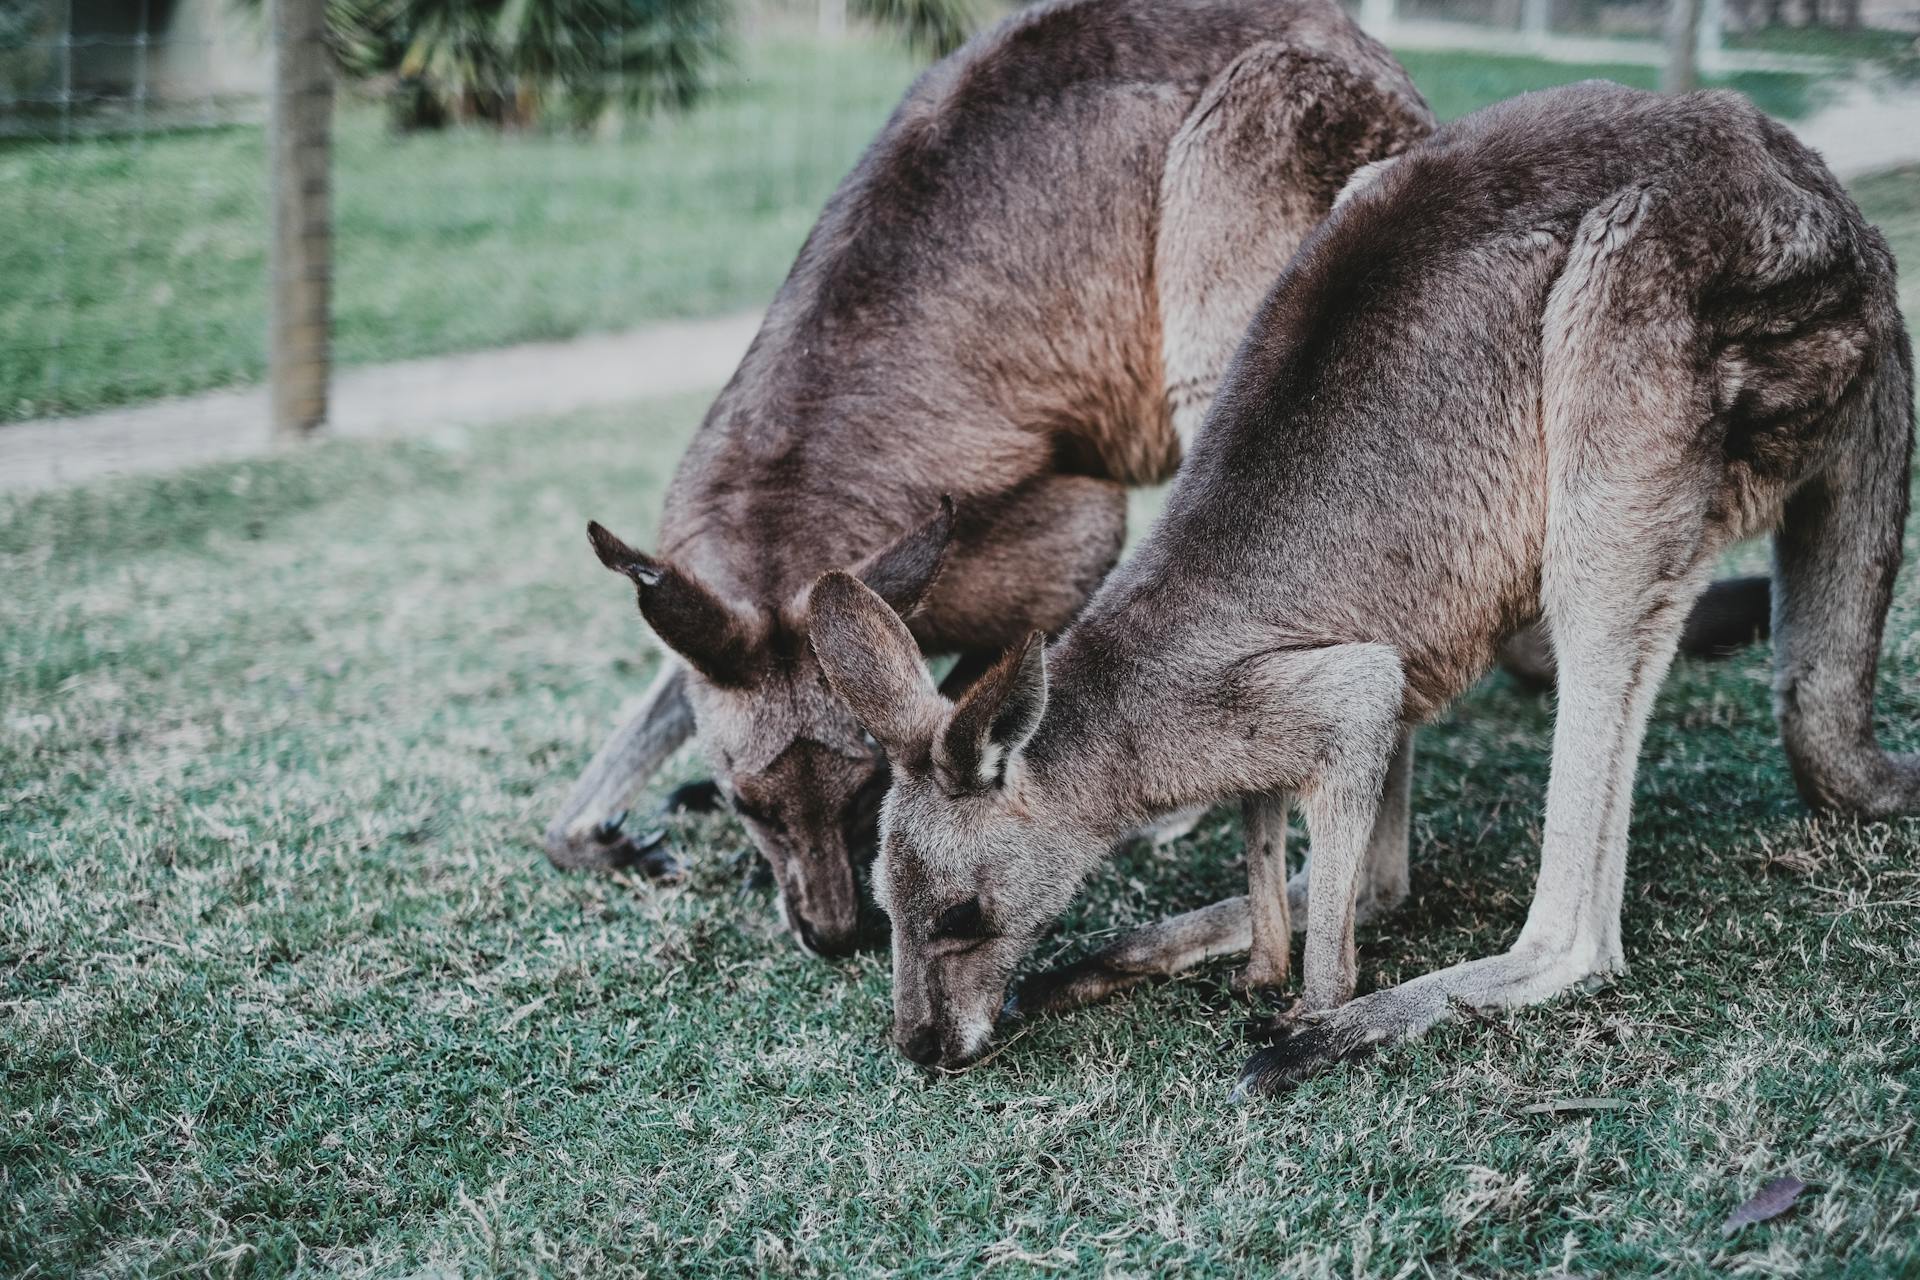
(904,573)
(872,662)
(714,638)
(995,718)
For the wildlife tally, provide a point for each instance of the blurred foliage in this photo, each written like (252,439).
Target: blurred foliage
(937,27)
(513,63)
(28,29)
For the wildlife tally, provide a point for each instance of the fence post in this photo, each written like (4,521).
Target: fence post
(1379,15)
(1536,19)
(1682,74)
(1706,52)
(300,267)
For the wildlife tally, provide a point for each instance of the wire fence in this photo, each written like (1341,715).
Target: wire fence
(152,228)
(138,190)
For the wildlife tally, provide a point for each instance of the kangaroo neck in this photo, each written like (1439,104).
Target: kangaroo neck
(1123,743)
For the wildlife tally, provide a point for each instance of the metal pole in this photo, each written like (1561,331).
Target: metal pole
(1379,15)
(1536,19)
(301,270)
(1682,74)
(1706,48)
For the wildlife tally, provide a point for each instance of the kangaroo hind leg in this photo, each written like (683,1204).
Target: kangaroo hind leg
(1630,540)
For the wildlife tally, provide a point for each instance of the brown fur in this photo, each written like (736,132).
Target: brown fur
(989,308)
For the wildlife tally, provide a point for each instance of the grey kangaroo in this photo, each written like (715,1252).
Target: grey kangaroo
(1551,363)
(1024,295)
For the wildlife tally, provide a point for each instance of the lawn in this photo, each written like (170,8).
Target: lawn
(1864,44)
(133,267)
(286,988)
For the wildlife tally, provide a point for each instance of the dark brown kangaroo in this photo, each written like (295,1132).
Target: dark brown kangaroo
(1555,360)
(1023,296)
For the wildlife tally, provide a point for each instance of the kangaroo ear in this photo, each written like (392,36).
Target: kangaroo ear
(995,718)
(872,661)
(904,573)
(713,637)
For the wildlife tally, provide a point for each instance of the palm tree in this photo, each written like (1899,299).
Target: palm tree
(937,27)
(513,62)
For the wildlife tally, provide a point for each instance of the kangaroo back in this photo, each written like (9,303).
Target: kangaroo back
(1256,165)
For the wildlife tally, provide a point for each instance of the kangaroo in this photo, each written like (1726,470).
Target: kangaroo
(1552,362)
(1023,296)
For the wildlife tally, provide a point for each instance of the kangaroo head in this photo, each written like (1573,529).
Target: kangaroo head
(976,858)
(787,752)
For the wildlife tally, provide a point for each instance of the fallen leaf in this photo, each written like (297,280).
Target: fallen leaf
(520,1015)
(1770,1201)
(1573,1104)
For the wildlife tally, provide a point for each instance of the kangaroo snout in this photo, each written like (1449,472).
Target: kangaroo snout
(821,902)
(831,943)
(921,1046)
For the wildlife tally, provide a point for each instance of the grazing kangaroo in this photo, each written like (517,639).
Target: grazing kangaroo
(1552,362)
(1023,296)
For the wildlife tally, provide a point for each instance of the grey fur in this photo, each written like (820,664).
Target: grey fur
(1551,363)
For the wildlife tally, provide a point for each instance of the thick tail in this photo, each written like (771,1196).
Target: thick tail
(1835,559)
(1729,615)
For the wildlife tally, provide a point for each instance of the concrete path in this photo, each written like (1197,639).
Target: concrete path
(1866,128)
(410,397)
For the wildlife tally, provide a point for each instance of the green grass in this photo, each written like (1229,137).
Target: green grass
(286,988)
(1456,83)
(134,267)
(1867,44)
(143,258)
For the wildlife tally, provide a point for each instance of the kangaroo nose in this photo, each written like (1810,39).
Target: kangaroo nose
(923,1047)
(831,945)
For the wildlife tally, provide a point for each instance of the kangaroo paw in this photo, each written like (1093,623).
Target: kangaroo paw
(1306,1052)
(650,857)
(1067,987)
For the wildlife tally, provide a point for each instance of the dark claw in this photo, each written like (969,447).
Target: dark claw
(1277,1025)
(1305,1053)
(693,797)
(1264,1030)
(609,831)
(661,867)
(755,875)
(649,856)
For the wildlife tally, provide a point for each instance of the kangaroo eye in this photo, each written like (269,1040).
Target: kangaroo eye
(962,920)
